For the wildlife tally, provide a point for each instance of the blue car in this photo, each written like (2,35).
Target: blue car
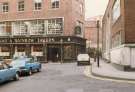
(26,65)
(7,73)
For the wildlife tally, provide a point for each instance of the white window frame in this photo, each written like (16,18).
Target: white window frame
(37,27)
(55,4)
(2,29)
(20,8)
(36,4)
(56,30)
(5,7)
(19,28)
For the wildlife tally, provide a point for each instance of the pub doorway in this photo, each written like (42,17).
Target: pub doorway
(53,54)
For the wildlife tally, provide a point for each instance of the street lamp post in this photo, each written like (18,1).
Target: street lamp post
(61,41)
(45,50)
(98,64)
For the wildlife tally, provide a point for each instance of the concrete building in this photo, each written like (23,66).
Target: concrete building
(48,29)
(118,33)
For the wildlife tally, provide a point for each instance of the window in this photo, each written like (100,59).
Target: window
(5,7)
(21,48)
(37,48)
(116,39)
(5,28)
(79,28)
(20,28)
(81,8)
(2,29)
(116,10)
(37,4)
(37,27)
(55,3)
(21,6)
(55,26)
(5,49)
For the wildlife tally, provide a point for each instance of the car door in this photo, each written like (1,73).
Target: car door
(6,72)
(11,71)
(2,74)
(34,66)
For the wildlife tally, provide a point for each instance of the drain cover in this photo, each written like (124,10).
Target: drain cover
(74,90)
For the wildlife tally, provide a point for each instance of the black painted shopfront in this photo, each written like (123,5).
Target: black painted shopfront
(53,49)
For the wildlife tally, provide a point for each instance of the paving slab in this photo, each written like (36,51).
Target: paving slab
(106,70)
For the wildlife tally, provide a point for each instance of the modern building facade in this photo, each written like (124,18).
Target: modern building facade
(118,33)
(49,29)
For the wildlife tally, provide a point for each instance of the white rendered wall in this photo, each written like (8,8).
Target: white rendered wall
(124,56)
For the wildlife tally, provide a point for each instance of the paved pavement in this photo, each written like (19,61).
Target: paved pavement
(64,78)
(108,71)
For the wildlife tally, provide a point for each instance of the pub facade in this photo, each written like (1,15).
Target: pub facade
(42,29)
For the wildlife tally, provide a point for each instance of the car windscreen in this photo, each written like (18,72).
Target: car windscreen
(18,62)
(30,60)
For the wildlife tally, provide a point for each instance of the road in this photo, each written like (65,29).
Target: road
(64,78)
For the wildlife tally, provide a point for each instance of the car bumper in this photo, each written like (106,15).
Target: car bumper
(83,62)
(23,71)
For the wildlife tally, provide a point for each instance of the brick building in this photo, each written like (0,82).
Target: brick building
(118,33)
(42,28)
(91,31)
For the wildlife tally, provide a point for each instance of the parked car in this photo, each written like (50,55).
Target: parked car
(26,65)
(83,59)
(8,73)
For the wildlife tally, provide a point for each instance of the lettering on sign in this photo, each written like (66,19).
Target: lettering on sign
(3,40)
(23,40)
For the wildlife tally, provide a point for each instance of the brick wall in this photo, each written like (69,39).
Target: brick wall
(130,21)
(65,11)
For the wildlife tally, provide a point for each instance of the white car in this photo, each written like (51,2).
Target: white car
(83,59)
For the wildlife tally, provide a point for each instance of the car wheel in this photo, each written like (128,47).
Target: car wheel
(30,72)
(16,78)
(78,64)
(39,70)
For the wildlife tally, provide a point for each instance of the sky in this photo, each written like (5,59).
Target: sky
(95,7)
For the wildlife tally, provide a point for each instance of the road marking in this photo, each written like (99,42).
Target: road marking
(75,90)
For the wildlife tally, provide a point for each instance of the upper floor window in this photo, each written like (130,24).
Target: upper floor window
(5,7)
(37,27)
(81,8)
(37,4)
(55,3)
(21,6)
(55,26)
(116,10)
(20,28)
